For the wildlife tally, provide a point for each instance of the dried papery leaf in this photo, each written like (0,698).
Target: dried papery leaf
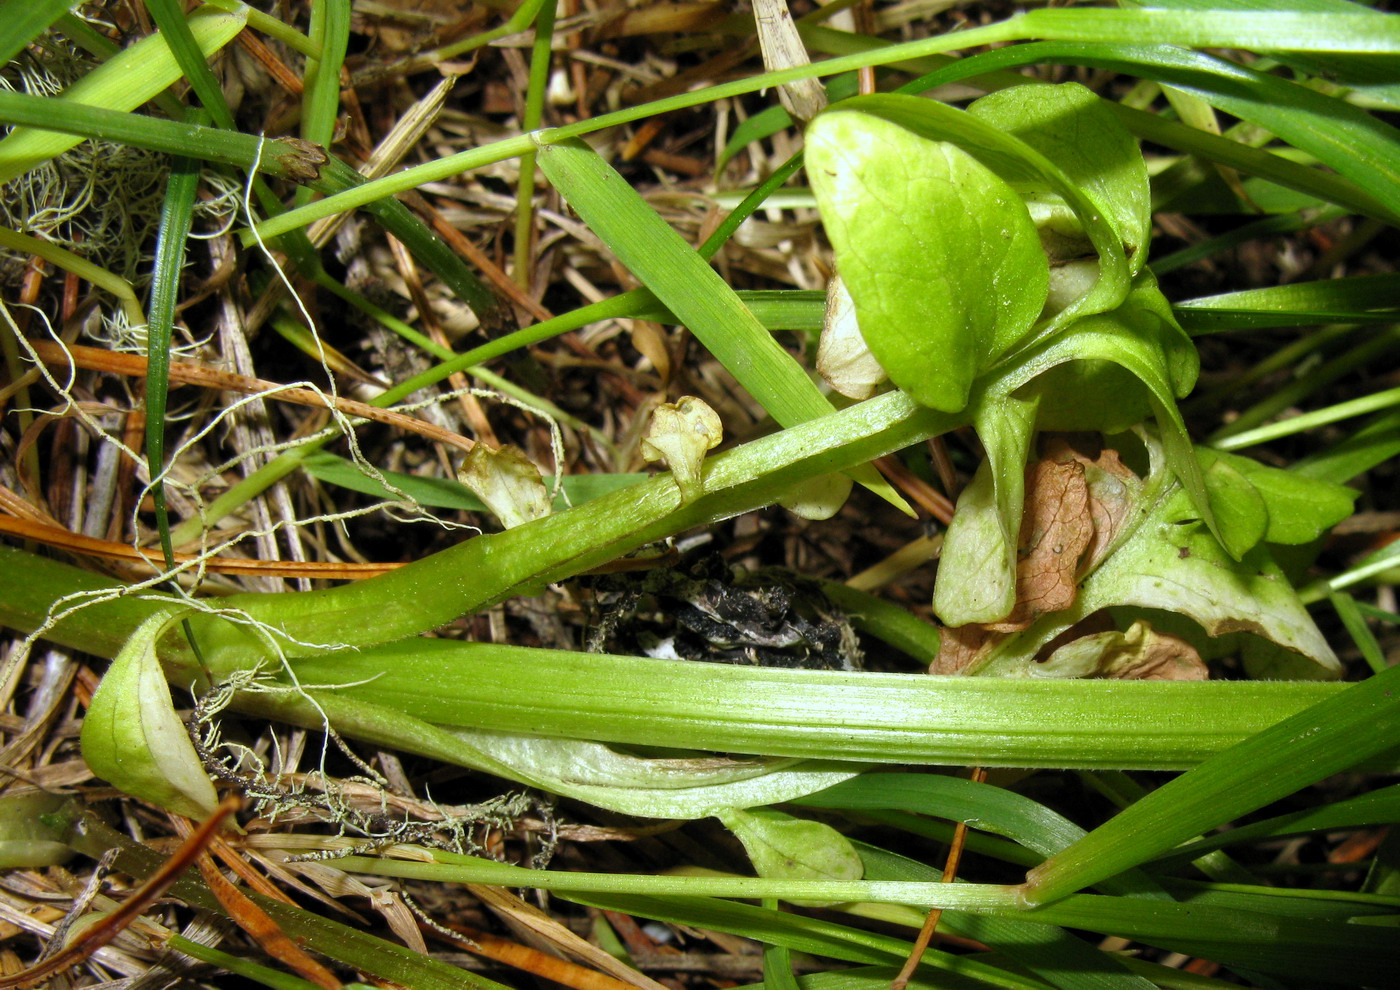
(507,482)
(1112,489)
(680,433)
(961,647)
(1056,528)
(782,48)
(132,737)
(1140,653)
(843,358)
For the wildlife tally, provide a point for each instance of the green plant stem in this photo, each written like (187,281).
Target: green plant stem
(540,58)
(272,27)
(455,868)
(1298,424)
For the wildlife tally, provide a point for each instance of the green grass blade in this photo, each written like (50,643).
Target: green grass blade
(123,82)
(1379,33)
(684,281)
(541,56)
(13,240)
(957,721)
(1374,402)
(1360,722)
(1361,635)
(24,21)
(1376,442)
(1238,90)
(1359,299)
(441,493)
(422,243)
(170,19)
(320,97)
(175,219)
(1377,347)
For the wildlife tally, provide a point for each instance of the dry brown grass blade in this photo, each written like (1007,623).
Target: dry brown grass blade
(184,373)
(508,906)
(530,960)
(64,539)
(261,928)
(109,927)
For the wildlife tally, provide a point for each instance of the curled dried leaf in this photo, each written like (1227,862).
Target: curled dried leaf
(680,434)
(844,359)
(1140,653)
(508,482)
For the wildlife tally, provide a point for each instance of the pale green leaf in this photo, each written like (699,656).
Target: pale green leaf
(132,737)
(1239,509)
(977,571)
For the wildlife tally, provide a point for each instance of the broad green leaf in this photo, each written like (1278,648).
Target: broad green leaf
(1018,163)
(132,737)
(938,253)
(1070,125)
(1300,508)
(123,82)
(1325,739)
